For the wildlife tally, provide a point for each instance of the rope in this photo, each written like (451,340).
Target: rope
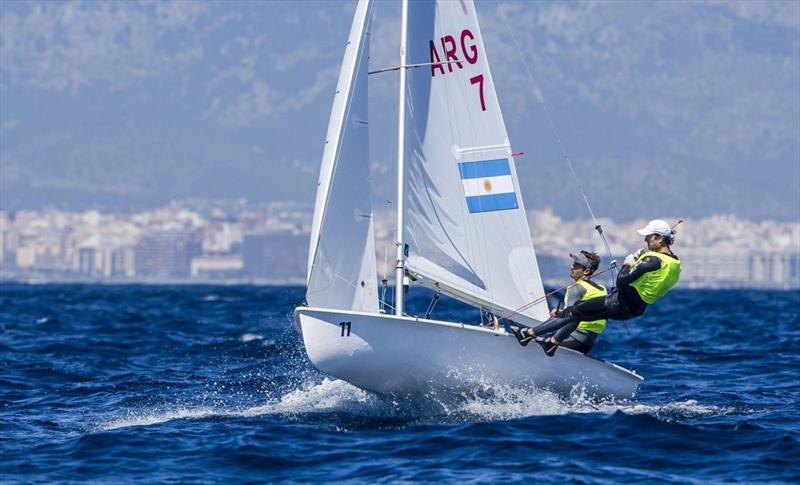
(537,93)
(543,297)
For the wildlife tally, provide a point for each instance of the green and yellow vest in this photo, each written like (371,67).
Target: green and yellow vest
(593,290)
(655,284)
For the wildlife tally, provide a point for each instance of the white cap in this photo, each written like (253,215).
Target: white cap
(656,226)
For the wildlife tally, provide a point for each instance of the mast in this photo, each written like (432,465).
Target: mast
(399,270)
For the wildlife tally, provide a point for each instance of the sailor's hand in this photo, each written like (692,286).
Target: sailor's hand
(630,260)
(553,312)
(639,253)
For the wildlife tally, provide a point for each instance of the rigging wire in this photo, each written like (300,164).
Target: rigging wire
(391,147)
(542,298)
(538,94)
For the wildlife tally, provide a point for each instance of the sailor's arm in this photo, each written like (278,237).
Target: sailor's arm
(629,274)
(574,295)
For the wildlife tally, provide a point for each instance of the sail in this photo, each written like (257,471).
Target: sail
(464,219)
(341,260)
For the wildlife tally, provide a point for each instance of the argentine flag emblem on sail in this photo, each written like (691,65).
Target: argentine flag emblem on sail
(488,185)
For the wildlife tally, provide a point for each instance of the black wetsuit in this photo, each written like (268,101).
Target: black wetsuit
(580,340)
(622,303)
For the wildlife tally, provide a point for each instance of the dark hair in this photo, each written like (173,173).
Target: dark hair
(667,240)
(594,259)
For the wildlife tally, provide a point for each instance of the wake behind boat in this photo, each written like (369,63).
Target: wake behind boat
(461,227)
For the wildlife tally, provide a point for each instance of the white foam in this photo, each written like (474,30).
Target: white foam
(249,337)
(149,418)
(326,396)
(680,409)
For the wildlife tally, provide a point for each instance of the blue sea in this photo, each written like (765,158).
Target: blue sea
(209,384)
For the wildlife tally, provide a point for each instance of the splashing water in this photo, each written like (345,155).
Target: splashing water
(336,396)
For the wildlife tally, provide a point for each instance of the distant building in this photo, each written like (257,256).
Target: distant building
(167,254)
(278,257)
(87,261)
(123,262)
(217,266)
(10,244)
(25,257)
(737,268)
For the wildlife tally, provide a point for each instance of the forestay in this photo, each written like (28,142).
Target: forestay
(341,262)
(465,223)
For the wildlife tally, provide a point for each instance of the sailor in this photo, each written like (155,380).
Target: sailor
(646,276)
(584,264)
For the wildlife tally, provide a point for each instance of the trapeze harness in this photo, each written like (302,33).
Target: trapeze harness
(649,279)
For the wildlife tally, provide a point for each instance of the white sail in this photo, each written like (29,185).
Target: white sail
(341,261)
(465,223)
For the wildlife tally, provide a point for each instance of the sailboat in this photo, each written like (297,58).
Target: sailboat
(461,228)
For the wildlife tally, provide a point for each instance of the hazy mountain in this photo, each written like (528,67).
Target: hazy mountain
(668,107)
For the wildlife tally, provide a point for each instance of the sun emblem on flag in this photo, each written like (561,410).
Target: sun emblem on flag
(488,185)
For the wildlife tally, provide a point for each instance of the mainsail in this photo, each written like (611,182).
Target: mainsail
(465,223)
(341,260)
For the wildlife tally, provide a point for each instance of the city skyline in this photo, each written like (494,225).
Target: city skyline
(233,241)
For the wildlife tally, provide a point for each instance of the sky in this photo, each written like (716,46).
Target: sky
(665,108)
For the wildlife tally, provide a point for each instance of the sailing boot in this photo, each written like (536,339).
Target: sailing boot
(548,345)
(521,333)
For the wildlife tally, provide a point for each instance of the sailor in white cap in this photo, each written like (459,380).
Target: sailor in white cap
(646,276)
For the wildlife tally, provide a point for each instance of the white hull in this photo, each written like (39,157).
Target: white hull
(408,356)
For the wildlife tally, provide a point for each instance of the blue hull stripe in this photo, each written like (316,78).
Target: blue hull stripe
(494,202)
(486,168)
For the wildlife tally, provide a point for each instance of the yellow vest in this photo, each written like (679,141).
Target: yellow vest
(596,326)
(655,284)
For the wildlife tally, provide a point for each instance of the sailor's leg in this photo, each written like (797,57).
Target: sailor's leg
(580,340)
(557,325)
(551,325)
(566,330)
(591,309)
